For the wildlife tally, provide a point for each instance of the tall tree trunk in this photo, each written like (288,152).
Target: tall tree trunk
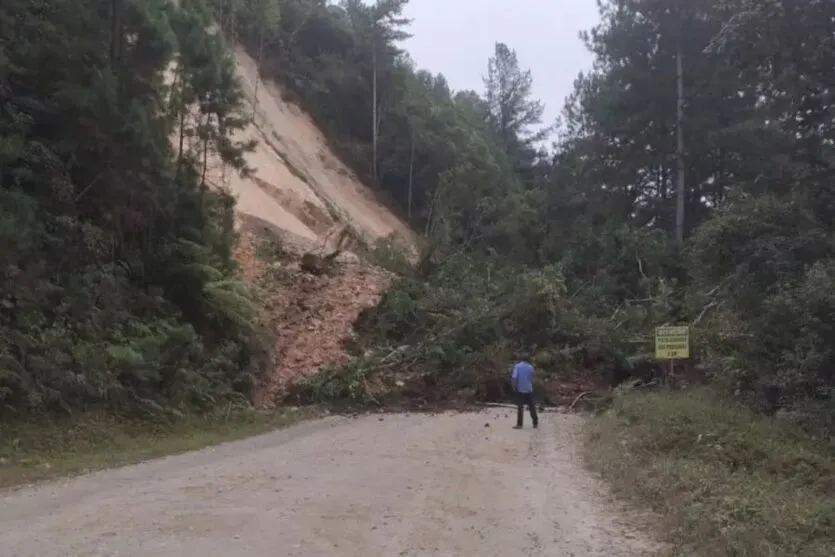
(258,72)
(680,184)
(232,22)
(205,152)
(374,109)
(115,31)
(182,139)
(432,216)
(117,34)
(411,174)
(182,109)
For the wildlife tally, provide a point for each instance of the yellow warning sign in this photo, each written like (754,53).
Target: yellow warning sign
(672,343)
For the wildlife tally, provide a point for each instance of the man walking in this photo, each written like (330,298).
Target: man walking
(523,385)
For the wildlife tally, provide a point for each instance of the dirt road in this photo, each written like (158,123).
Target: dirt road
(454,485)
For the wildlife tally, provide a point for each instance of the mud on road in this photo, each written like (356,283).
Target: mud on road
(396,485)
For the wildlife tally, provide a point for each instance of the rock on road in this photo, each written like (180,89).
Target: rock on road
(393,485)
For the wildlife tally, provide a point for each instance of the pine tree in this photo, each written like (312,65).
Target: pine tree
(513,113)
(115,262)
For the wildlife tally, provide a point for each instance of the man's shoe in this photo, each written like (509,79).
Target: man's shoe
(517,427)
(535,426)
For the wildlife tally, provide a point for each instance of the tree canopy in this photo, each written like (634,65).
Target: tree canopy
(118,285)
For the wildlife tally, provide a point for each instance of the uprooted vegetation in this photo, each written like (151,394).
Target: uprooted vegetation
(308,310)
(575,258)
(450,336)
(119,289)
(587,239)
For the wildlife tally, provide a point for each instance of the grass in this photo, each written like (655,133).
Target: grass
(723,481)
(36,451)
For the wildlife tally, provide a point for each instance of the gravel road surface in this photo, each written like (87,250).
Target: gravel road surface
(452,485)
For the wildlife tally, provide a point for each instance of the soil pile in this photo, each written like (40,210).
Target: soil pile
(310,315)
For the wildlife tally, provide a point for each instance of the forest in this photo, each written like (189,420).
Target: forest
(688,180)
(118,290)
(574,241)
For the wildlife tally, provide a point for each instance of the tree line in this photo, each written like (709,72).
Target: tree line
(688,181)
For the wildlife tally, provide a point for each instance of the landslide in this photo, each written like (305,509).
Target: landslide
(300,201)
(310,314)
(299,187)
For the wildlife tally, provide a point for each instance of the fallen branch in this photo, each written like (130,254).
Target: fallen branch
(640,266)
(386,358)
(576,400)
(704,311)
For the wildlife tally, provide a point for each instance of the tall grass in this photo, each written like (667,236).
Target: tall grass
(45,449)
(724,481)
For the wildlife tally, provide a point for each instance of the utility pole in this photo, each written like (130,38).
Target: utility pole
(258,67)
(680,184)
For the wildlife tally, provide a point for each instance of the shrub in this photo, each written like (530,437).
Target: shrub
(725,481)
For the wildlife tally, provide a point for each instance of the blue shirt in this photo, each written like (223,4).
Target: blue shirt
(523,377)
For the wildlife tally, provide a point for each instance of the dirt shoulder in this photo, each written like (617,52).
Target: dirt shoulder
(449,484)
(37,451)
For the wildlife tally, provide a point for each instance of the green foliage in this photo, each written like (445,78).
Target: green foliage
(569,255)
(392,254)
(348,384)
(753,274)
(510,110)
(594,221)
(117,287)
(455,332)
(726,481)
(42,448)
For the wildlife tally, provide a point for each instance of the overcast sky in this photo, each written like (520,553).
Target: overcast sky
(456,38)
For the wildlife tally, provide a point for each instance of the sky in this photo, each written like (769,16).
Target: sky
(456,38)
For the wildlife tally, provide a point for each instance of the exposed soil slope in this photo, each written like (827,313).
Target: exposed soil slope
(299,186)
(412,485)
(303,195)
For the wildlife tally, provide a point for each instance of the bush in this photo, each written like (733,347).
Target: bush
(726,481)
(391,254)
(455,332)
(348,384)
(774,274)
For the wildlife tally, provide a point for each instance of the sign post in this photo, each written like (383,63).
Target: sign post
(672,343)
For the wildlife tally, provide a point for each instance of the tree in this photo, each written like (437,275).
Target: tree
(512,112)
(268,21)
(380,26)
(633,105)
(117,286)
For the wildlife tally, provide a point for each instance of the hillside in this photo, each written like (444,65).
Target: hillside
(121,191)
(298,185)
(309,317)
(301,197)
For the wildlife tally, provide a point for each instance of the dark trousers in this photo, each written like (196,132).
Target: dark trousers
(521,400)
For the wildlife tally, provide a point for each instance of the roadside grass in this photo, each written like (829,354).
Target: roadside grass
(723,481)
(35,451)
